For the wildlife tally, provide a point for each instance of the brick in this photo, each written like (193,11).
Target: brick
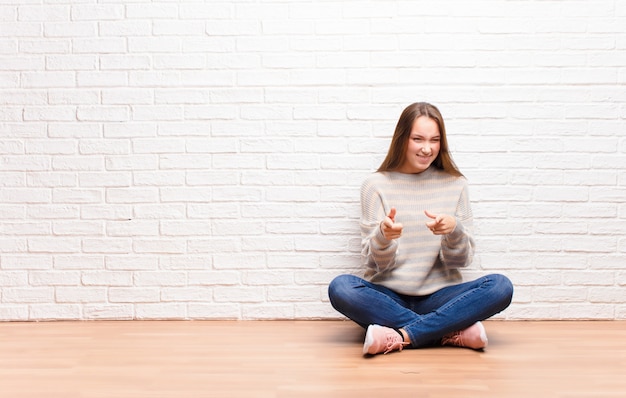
(53,244)
(219,311)
(266,244)
(108,312)
(12,212)
(22,63)
(131,262)
(291,227)
(234,27)
(292,294)
(212,10)
(103,113)
(265,278)
(98,13)
(129,130)
(338,261)
(237,261)
(154,11)
(106,278)
(58,113)
(105,212)
(267,311)
(180,96)
(13,312)
(214,278)
(134,163)
(80,294)
(64,130)
(77,228)
(315,311)
(167,178)
(67,29)
(101,79)
(78,262)
(535,311)
(186,294)
(83,196)
(151,44)
(54,312)
(48,79)
(123,96)
(71,62)
(321,178)
(113,179)
(27,295)
(133,295)
(159,246)
(185,228)
(187,262)
(25,195)
(14,278)
(314,277)
(213,211)
(211,245)
(215,44)
(292,194)
(20,29)
(169,278)
(125,28)
(132,228)
(74,97)
(244,294)
(157,112)
(106,245)
(587,311)
(161,311)
(102,45)
(186,195)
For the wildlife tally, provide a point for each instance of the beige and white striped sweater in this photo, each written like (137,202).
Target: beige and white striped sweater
(419,262)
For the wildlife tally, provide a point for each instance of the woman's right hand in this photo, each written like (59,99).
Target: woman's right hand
(389,227)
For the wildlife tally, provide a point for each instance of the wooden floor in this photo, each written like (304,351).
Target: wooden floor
(303,359)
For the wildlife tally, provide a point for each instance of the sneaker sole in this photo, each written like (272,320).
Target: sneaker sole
(369,339)
(483,333)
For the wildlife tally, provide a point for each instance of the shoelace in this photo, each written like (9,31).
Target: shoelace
(453,338)
(393,343)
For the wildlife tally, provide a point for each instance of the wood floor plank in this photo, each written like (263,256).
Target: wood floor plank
(303,359)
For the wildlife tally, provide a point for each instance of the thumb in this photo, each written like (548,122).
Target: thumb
(430,215)
(392,214)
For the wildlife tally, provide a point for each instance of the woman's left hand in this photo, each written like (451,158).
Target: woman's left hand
(442,224)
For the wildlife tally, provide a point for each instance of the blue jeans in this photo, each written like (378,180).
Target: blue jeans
(426,319)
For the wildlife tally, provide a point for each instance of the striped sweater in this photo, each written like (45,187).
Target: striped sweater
(419,262)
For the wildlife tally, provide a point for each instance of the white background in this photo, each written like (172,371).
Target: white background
(202,160)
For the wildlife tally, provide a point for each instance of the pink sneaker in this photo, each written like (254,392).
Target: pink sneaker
(382,339)
(473,337)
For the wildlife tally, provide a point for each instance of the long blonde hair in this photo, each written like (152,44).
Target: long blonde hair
(397,149)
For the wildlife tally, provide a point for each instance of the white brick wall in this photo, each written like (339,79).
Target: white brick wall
(202,159)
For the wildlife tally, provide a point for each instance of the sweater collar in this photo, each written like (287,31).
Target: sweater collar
(396,175)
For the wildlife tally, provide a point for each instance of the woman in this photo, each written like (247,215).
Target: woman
(416,228)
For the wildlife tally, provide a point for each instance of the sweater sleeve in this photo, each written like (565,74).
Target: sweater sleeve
(457,248)
(377,252)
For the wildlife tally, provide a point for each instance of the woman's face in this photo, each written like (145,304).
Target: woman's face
(423,146)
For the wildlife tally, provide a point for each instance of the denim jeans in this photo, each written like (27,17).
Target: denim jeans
(426,319)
